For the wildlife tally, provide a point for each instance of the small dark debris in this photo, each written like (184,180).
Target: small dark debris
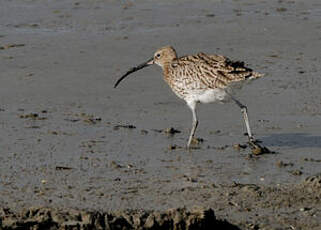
(191,179)
(296,172)
(312,160)
(72,119)
(171,131)
(144,132)
(301,72)
(92,120)
(173,147)
(53,132)
(34,116)
(304,209)
(115,165)
(117,127)
(218,147)
(4,47)
(239,147)
(210,15)
(63,168)
(33,127)
(168,131)
(281,164)
(215,132)
(30,115)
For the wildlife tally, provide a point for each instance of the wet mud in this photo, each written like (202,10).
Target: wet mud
(77,153)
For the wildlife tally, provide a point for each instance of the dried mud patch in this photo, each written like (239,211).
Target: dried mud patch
(238,206)
(46,218)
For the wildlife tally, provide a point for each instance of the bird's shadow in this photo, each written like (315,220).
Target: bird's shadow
(294,140)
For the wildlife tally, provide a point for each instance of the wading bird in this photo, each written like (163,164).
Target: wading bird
(201,78)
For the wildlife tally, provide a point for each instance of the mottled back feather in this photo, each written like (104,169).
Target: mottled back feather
(201,71)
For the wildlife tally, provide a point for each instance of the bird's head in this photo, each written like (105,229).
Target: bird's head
(162,57)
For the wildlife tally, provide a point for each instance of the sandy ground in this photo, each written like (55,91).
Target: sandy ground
(71,141)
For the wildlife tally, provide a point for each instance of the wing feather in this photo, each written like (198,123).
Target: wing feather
(203,71)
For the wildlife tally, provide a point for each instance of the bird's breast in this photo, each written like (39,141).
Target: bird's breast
(207,95)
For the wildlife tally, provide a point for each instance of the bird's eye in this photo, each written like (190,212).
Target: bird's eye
(157,55)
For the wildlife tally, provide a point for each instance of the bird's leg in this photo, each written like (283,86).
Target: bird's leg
(246,119)
(192,106)
(254,144)
(247,123)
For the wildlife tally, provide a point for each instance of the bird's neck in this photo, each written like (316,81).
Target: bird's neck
(166,72)
(165,65)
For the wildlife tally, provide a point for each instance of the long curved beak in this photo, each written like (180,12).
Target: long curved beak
(134,69)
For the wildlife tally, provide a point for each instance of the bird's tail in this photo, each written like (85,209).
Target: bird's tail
(255,75)
(237,85)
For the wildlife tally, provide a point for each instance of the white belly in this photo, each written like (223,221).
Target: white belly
(207,96)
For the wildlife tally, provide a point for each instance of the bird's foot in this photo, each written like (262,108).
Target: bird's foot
(197,141)
(193,143)
(256,148)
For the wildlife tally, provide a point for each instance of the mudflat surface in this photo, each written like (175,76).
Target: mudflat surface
(71,141)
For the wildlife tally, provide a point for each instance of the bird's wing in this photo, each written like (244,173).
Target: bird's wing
(210,71)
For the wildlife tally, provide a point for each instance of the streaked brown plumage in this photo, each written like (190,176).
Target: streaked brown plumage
(200,78)
(200,72)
